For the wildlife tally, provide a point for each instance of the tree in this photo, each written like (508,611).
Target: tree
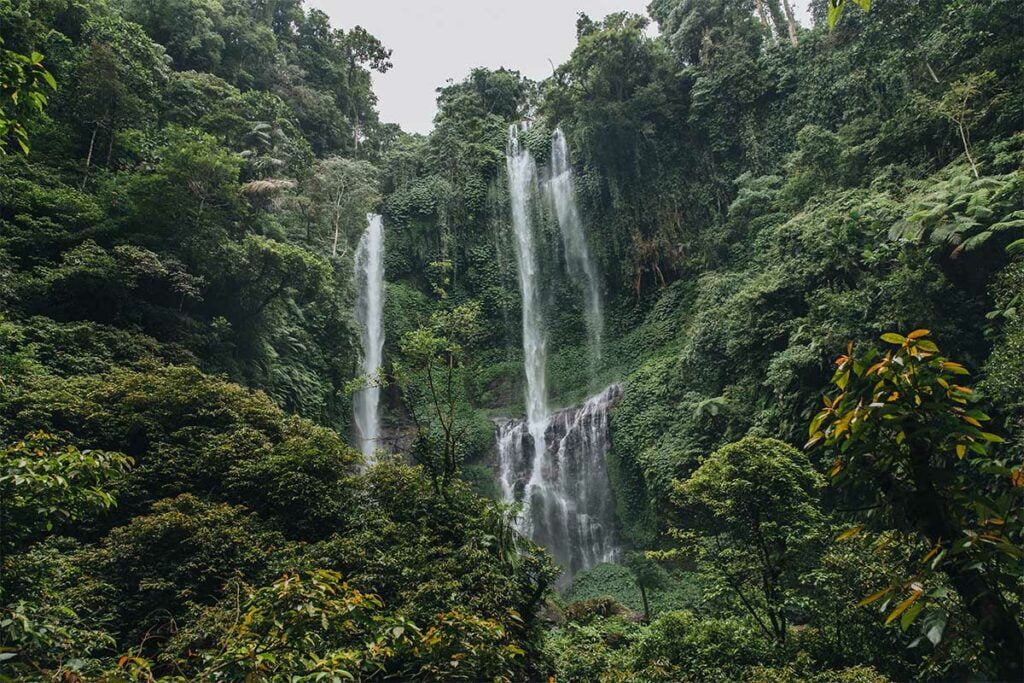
(692,27)
(901,428)
(266,271)
(187,28)
(756,511)
(436,353)
(345,190)
(116,80)
(362,49)
(957,105)
(648,575)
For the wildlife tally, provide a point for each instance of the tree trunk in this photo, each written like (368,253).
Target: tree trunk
(110,146)
(778,20)
(982,600)
(761,14)
(647,607)
(790,21)
(88,158)
(113,134)
(964,137)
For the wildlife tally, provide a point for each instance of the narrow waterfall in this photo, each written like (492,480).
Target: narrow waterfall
(562,190)
(369,276)
(522,181)
(570,506)
(555,464)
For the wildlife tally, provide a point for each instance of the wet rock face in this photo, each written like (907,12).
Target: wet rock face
(567,501)
(397,440)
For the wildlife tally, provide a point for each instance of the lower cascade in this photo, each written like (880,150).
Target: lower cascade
(568,506)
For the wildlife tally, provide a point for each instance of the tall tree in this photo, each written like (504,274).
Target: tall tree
(345,190)
(756,512)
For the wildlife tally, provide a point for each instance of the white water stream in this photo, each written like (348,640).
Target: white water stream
(562,190)
(369,275)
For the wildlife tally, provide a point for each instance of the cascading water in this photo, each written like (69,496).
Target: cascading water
(369,275)
(562,190)
(570,507)
(522,180)
(555,464)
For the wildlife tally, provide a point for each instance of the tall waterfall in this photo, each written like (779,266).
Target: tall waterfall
(369,275)
(522,180)
(570,507)
(562,190)
(555,464)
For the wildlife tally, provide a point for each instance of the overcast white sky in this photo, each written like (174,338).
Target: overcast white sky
(434,40)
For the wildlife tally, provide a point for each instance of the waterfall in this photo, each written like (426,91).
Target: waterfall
(369,276)
(562,190)
(570,507)
(555,464)
(522,179)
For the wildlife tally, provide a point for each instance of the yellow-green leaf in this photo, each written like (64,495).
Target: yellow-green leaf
(875,596)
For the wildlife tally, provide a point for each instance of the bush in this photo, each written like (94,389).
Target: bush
(586,611)
(599,651)
(681,646)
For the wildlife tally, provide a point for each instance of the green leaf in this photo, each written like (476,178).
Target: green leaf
(893,338)
(835,10)
(908,617)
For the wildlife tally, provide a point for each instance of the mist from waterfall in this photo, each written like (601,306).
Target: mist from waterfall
(369,277)
(555,464)
(562,190)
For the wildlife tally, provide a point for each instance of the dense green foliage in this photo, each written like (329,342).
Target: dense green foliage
(183,183)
